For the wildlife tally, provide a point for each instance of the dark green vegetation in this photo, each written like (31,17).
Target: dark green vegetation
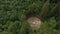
(13,15)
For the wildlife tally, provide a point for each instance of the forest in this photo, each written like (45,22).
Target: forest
(15,16)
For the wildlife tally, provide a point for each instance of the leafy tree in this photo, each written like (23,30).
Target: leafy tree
(14,15)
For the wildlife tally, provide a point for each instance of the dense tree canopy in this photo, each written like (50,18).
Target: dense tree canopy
(14,14)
